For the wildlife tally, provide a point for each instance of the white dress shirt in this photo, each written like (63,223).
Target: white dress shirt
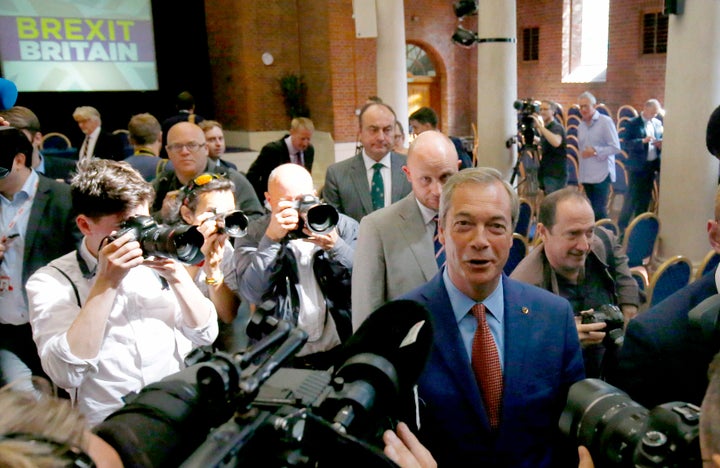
(145,340)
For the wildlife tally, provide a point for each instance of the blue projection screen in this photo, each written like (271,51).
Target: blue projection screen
(82,45)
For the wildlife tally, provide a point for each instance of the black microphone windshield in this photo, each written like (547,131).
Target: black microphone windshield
(399,331)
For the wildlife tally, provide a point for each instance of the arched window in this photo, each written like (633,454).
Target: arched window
(585,40)
(418,61)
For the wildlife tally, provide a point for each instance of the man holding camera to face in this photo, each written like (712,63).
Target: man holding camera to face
(107,320)
(287,270)
(585,265)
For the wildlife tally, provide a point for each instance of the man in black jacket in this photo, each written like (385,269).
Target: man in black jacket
(293,148)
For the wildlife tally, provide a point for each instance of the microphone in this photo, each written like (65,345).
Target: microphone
(705,316)
(380,364)
(8,94)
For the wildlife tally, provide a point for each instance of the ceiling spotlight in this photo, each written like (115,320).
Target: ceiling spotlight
(465,8)
(464,37)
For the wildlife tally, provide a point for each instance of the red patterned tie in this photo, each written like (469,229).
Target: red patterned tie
(486,366)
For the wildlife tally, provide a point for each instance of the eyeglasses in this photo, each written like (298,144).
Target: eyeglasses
(177,147)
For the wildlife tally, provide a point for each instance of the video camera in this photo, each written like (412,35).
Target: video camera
(619,432)
(526,125)
(182,242)
(320,218)
(246,410)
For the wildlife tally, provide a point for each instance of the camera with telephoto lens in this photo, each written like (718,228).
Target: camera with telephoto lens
(526,125)
(320,218)
(233,223)
(619,432)
(614,320)
(180,242)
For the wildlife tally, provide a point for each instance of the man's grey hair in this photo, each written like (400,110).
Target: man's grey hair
(483,177)
(589,96)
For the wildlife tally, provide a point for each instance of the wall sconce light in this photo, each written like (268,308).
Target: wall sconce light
(464,37)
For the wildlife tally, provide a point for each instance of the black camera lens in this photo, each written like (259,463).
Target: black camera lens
(235,224)
(182,243)
(321,219)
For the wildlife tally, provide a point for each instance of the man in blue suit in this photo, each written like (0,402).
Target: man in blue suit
(643,144)
(462,420)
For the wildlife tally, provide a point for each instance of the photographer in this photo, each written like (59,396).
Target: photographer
(583,264)
(295,274)
(553,164)
(106,320)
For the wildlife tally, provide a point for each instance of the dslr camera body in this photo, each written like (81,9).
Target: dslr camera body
(320,218)
(181,243)
(614,320)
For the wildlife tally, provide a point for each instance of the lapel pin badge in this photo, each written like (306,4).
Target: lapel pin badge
(525,310)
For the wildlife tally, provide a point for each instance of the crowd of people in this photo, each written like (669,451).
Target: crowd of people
(84,304)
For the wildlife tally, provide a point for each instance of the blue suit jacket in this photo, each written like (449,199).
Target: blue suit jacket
(542,360)
(664,358)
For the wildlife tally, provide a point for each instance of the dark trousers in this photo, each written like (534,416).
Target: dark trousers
(598,195)
(19,359)
(640,188)
(552,184)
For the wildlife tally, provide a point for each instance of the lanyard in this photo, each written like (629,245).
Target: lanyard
(21,210)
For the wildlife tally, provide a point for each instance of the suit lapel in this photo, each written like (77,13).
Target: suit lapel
(518,328)
(414,228)
(358,176)
(452,353)
(42,197)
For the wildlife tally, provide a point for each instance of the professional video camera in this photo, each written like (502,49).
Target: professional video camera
(320,218)
(621,433)
(180,242)
(526,125)
(614,320)
(245,410)
(234,223)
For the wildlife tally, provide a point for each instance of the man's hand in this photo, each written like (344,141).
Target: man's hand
(214,246)
(324,241)
(406,450)
(585,458)
(648,139)
(116,258)
(589,333)
(588,152)
(629,312)
(284,219)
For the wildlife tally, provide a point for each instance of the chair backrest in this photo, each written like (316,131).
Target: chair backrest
(673,274)
(524,218)
(626,111)
(517,252)
(608,224)
(55,140)
(603,109)
(708,264)
(572,132)
(620,186)
(572,150)
(573,110)
(573,170)
(640,238)
(124,137)
(639,278)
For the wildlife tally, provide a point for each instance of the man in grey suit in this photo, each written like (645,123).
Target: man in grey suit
(372,179)
(396,244)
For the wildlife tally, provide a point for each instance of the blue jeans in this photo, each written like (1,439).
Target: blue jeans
(598,195)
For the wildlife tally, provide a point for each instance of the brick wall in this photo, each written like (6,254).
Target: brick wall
(317,39)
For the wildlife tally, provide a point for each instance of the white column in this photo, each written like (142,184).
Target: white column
(391,63)
(689,175)
(497,83)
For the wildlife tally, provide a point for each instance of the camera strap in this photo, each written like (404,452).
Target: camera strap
(72,283)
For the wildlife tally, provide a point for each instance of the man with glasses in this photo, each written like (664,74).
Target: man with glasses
(188,153)
(553,165)
(36,226)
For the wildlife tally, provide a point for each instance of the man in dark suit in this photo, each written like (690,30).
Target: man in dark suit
(643,145)
(372,179)
(215,139)
(664,356)
(504,353)
(425,119)
(36,226)
(97,143)
(293,148)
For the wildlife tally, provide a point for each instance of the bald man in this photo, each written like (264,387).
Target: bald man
(397,242)
(188,152)
(295,274)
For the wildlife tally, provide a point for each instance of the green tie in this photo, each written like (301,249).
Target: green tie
(377,191)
